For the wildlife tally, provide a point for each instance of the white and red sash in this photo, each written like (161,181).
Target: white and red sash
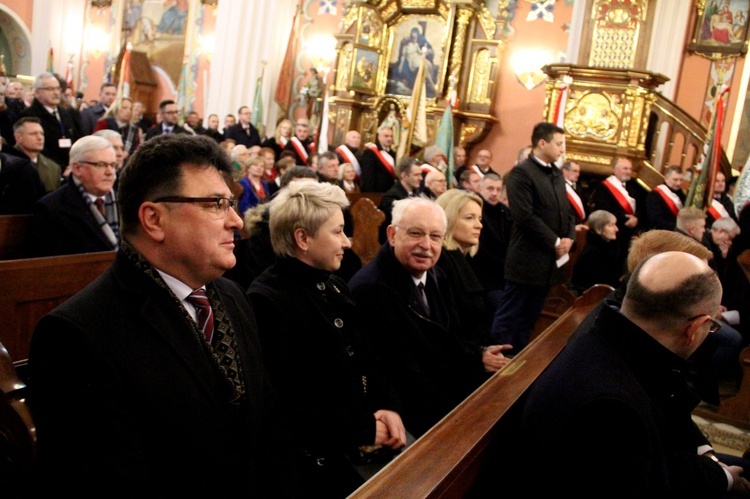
(622,197)
(299,147)
(427,168)
(283,141)
(673,202)
(385,158)
(475,168)
(717,210)
(349,156)
(575,201)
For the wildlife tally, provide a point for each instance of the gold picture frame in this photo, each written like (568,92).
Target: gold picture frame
(721,28)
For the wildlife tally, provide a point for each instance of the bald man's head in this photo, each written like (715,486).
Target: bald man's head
(353,139)
(673,296)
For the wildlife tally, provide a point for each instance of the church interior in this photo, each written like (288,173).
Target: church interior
(653,81)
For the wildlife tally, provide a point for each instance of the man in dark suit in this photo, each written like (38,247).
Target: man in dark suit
(621,392)
(349,152)
(169,114)
(213,128)
(81,216)
(92,114)
(301,145)
(150,381)
(61,125)
(244,132)
(407,185)
(410,317)
(665,201)
(571,172)
(543,232)
(378,163)
(20,185)
(623,197)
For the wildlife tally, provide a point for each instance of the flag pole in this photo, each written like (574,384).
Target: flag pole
(413,109)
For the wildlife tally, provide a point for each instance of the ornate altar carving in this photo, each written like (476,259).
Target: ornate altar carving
(606,113)
(378,52)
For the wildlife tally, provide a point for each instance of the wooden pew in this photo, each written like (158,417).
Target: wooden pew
(367,219)
(34,286)
(18,441)
(449,459)
(14,235)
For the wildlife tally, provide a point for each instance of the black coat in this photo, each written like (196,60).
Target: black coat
(64,225)
(159,130)
(395,193)
(489,262)
(604,200)
(128,404)
(623,399)
(328,381)
(658,214)
(425,358)
(541,214)
(20,185)
(299,160)
(375,177)
(598,263)
(54,130)
(237,133)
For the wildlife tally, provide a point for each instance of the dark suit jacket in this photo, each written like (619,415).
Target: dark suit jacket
(426,359)
(541,214)
(297,158)
(271,142)
(237,133)
(355,153)
(20,185)
(395,193)
(158,130)
(63,225)
(604,200)
(658,214)
(623,397)
(90,116)
(127,402)
(375,178)
(489,262)
(53,130)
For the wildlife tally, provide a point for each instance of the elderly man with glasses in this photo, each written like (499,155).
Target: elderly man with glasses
(62,126)
(81,216)
(410,317)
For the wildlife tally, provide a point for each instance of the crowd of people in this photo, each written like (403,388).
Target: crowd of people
(237,335)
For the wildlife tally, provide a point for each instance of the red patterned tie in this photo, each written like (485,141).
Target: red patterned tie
(204,313)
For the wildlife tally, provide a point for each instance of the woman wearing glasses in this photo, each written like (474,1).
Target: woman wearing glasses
(341,414)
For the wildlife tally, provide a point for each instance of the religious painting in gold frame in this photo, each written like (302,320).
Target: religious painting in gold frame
(365,66)
(721,28)
(410,35)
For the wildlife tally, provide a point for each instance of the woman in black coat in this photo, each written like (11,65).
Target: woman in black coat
(599,261)
(323,369)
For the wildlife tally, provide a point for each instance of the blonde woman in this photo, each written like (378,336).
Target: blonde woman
(118,118)
(280,137)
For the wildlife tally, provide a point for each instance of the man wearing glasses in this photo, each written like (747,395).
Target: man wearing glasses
(161,353)
(169,114)
(81,216)
(62,126)
(411,319)
(619,395)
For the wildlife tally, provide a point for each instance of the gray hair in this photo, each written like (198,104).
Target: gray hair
(600,218)
(726,224)
(402,205)
(38,80)
(107,133)
(86,145)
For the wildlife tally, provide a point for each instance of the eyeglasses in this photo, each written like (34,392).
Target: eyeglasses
(715,325)
(418,235)
(50,89)
(220,205)
(170,112)
(100,165)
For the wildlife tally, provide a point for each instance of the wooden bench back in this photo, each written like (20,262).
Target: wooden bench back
(31,287)
(14,236)
(448,460)
(367,219)
(18,442)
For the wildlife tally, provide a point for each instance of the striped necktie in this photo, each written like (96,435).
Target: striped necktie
(205,316)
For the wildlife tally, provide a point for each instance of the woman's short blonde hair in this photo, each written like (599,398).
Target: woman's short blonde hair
(115,107)
(342,168)
(302,205)
(452,201)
